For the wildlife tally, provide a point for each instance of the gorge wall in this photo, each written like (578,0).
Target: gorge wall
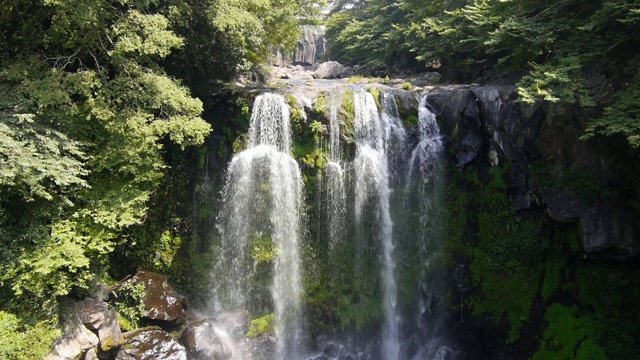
(538,245)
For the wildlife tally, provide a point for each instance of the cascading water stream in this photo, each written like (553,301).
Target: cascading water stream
(423,189)
(260,223)
(336,196)
(395,135)
(372,186)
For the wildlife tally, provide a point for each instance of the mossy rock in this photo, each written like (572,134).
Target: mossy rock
(262,326)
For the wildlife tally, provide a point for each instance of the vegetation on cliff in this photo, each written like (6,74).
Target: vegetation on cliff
(93,96)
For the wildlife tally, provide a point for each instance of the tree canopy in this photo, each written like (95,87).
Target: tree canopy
(91,92)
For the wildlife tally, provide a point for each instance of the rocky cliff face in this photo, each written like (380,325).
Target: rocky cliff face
(488,124)
(309,49)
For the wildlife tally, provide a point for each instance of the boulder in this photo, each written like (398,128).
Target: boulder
(98,317)
(109,333)
(91,312)
(90,355)
(200,339)
(331,350)
(76,337)
(150,343)
(331,70)
(161,303)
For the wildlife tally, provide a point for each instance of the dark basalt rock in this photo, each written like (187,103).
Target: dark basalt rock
(150,343)
(161,303)
(201,341)
(331,350)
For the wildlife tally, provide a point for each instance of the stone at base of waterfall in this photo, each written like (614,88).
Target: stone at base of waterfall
(150,343)
(161,303)
(76,339)
(98,317)
(201,341)
(331,350)
(260,348)
(332,70)
(236,323)
(91,354)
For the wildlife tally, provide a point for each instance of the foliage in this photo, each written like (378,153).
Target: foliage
(546,42)
(23,341)
(506,253)
(261,326)
(569,335)
(263,248)
(621,120)
(407,85)
(130,304)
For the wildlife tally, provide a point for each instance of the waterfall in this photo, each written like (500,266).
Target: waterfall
(395,135)
(336,197)
(259,226)
(423,188)
(372,192)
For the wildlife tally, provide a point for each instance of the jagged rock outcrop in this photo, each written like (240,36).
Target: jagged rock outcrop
(150,343)
(310,46)
(161,303)
(308,51)
(200,338)
(98,317)
(487,121)
(76,337)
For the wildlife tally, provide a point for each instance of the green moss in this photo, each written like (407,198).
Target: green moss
(359,314)
(506,253)
(407,85)
(348,116)
(240,143)
(262,326)
(376,96)
(320,106)
(552,275)
(263,250)
(567,332)
(582,183)
(129,304)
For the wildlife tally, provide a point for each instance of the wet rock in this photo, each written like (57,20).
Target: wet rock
(200,338)
(160,302)
(260,348)
(236,323)
(331,350)
(460,117)
(150,344)
(563,207)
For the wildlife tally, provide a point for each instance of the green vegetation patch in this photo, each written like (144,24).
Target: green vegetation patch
(264,325)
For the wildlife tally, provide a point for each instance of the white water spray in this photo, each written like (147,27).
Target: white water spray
(372,184)
(260,222)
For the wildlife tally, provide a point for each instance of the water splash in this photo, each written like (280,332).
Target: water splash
(372,188)
(260,226)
